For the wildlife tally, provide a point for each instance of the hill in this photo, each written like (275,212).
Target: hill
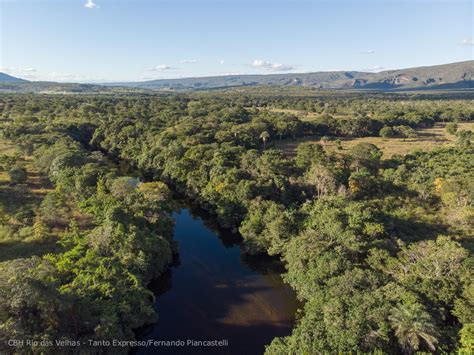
(11,79)
(447,76)
(45,87)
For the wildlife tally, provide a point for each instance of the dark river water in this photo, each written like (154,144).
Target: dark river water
(216,292)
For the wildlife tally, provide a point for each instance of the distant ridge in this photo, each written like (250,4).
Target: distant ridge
(447,76)
(454,75)
(11,79)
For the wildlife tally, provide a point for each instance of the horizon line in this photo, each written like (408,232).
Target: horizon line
(233,75)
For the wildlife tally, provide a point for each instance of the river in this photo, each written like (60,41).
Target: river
(214,291)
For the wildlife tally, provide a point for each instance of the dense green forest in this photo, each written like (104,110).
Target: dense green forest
(378,249)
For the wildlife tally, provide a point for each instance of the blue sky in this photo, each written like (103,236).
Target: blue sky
(120,40)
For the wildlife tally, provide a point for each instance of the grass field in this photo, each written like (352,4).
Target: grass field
(428,139)
(17,241)
(17,237)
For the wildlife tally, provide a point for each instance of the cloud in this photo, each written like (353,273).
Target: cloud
(264,65)
(468,42)
(33,74)
(159,76)
(368,51)
(374,69)
(73,78)
(150,77)
(24,73)
(232,73)
(56,75)
(17,70)
(65,77)
(188,61)
(222,61)
(161,67)
(90,4)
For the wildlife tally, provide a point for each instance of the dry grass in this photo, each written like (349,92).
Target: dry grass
(36,183)
(9,150)
(428,139)
(15,241)
(6,148)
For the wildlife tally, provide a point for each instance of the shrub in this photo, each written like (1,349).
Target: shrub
(18,175)
(452,128)
(387,132)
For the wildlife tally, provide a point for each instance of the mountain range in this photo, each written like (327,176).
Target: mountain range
(447,76)
(455,75)
(5,78)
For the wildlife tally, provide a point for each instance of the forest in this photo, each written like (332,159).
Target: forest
(376,245)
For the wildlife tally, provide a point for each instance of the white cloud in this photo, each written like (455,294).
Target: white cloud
(264,65)
(150,77)
(158,76)
(234,73)
(72,78)
(161,67)
(56,75)
(222,61)
(90,4)
(374,69)
(188,61)
(33,74)
(23,73)
(468,42)
(368,51)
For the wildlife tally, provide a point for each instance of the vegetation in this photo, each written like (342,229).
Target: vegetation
(378,250)
(113,234)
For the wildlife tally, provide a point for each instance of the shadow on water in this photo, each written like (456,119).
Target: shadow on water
(213,291)
(226,236)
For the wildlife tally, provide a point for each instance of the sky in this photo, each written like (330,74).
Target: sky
(136,40)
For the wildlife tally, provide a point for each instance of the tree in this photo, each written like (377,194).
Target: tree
(406,132)
(18,175)
(124,186)
(308,153)
(322,178)
(40,230)
(264,136)
(346,314)
(294,125)
(387,132)
(282,127)
(452,128)
(413,326)
(267,227)
(366,155)
(433,268)
(361,183)
(398,131)
(466,339)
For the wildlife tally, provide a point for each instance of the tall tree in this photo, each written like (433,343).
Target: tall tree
(264,136)
(413,326)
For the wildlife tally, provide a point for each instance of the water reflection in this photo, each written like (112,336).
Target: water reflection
(214,292)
